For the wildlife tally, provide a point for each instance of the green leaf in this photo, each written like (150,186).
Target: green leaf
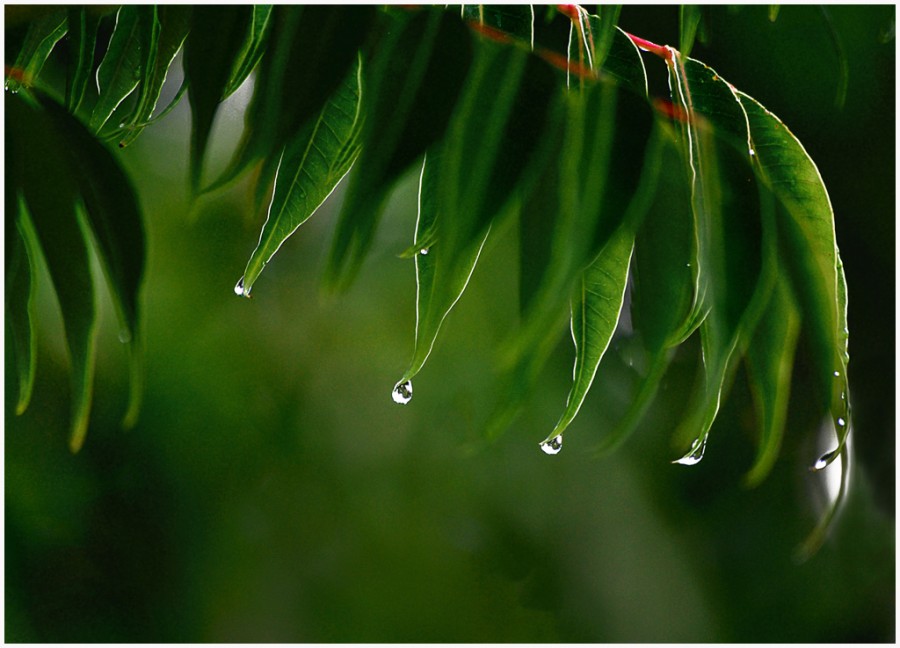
(733,228)
(253,48)
(624,63)
(809,248)
(689,19)
(83,25)
(309,51)
(19,298)
(663,271)
(49,195)
(601,184)
(114,218)
(405,114)
(311,166)
(596,307)
(42,35)
(212,49)
(122,66)
(439,284)
(172,23)
(770,362)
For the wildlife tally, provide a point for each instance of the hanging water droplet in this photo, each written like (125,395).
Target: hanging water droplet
(239,289)
(402,392)
(423,251)
(552,446)
(824,460)
(695,454)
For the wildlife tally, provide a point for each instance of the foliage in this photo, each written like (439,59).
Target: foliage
(703,201)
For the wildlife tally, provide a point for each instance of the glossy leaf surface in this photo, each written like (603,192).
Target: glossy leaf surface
(404,117)
(123,64)
(311,166)
(596,306)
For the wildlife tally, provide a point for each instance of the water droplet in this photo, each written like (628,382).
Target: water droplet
(837,374)
(824,460)
(423,251)
(402,393)
(239,289)
(841,422)
(695,454)
(752,152)
(124,336)
(553,446)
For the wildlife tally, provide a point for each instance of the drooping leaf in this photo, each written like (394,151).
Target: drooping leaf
(732,217)
(253,48)
(596,306)
(405,114)
(439,285)
(809,248)
(83,24)
(312,164)
(172,23)
(662,299)
(770,362)
(114,219)
(19,298)
(42,35)
(211,51)
(123,64)
(689,17)
(309,51)
(50,195)
(605,151)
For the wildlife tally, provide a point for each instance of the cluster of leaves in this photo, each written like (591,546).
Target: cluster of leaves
(704,200)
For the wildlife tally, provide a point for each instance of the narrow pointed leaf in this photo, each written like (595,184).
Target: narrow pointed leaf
(689,17)
(770,362)
(253,48)
(601,185)
(596,307)
(665,253)
(19,298)
(439,285)
(212,49)
(114,219)
(730,212)
(405,114)
(50,196)
(808,245)
(83,25)
(40,39)
(120,71)
(497,142)
(309,51)
(312,165)
(173,23)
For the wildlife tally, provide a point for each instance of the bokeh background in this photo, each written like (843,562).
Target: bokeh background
(272,490)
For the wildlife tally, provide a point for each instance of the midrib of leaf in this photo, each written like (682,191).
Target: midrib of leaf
(116,78)
(595,314)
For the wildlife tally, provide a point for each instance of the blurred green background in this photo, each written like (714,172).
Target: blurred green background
(272,490)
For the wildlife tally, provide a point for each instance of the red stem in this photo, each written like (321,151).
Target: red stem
(660,50)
